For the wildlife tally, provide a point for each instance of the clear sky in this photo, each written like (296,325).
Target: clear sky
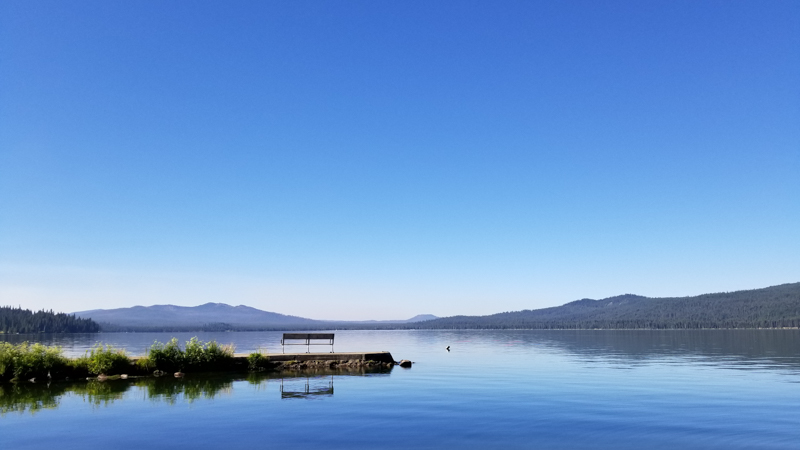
(381,159)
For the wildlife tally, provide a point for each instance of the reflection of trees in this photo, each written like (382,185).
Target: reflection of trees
(190,389)
(100,393)
(21,398)
(34,397)
(31,397)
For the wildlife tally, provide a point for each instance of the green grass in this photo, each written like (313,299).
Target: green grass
(145,365)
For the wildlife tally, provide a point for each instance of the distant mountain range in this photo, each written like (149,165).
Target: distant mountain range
(771,307)
(417,318)
(212,316)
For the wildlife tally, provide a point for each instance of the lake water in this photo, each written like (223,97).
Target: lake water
(494,389)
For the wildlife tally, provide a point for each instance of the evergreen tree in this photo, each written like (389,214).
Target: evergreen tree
(18,320)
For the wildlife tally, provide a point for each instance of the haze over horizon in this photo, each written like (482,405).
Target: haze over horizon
(373,160)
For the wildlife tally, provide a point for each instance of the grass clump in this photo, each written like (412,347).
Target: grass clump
(25,361)
(197,356)
(145,365)
(257,362)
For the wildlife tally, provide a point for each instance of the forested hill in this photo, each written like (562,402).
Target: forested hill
(18,320)
(772,307)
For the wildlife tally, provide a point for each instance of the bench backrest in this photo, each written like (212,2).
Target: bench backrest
(308,336)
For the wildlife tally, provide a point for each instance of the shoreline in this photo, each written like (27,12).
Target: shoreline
(37,363)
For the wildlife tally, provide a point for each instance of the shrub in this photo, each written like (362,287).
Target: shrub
(144,364)
(218,356)
(24,361)
(256,362)
(80,366)
(167,356)
(7,353)
(208,356)
(107,360)
(194,354)
(197,356)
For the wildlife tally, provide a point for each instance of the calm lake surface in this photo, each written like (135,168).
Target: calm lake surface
(494,389)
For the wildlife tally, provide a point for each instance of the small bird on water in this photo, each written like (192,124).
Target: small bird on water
(448,348)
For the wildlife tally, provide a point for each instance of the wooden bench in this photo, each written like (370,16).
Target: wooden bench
(307,338)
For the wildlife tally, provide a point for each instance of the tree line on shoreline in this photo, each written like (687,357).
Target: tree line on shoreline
(771,307)
(24,321)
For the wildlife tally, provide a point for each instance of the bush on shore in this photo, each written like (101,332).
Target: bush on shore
(105,360)
(25,361)
(197,356)
(167,357)
(256,362)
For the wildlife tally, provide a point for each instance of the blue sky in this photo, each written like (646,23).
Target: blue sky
(377,159)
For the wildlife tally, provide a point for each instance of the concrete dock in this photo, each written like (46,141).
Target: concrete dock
(384,357)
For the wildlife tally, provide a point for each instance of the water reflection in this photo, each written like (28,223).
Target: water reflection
(317,388)
(190,389)
(23,398)
(34,397)
(736,349)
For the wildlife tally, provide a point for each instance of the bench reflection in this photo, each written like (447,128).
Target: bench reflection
(317,388)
